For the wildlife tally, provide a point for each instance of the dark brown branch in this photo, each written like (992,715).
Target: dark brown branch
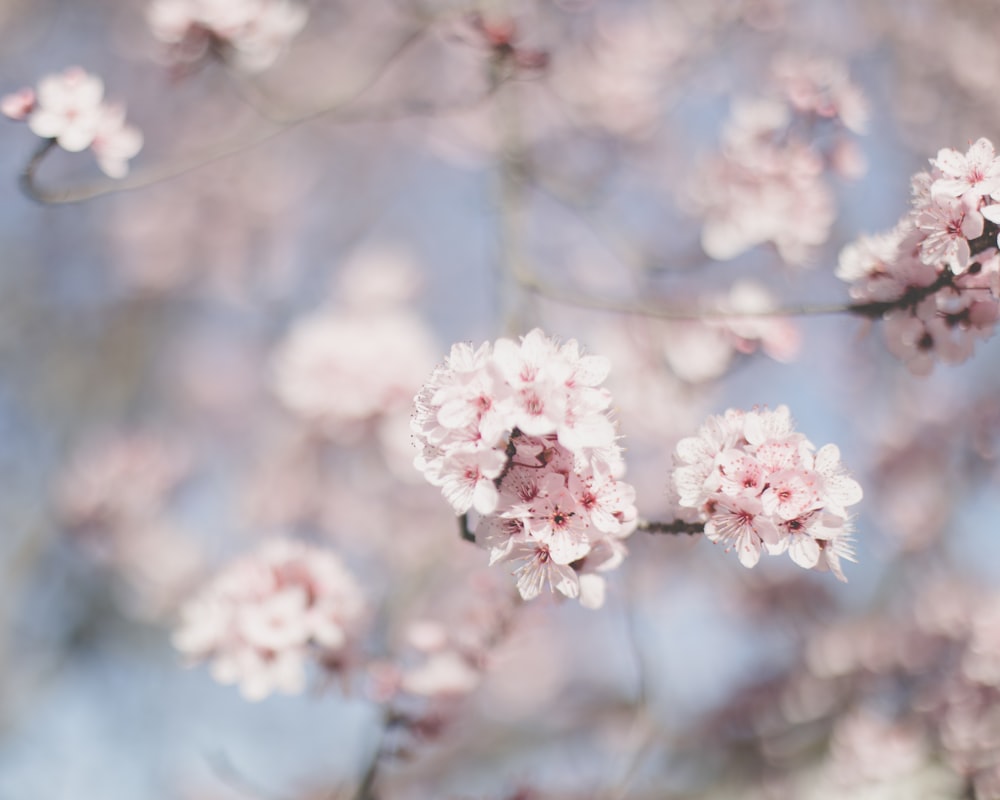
(677,526)
(463,527)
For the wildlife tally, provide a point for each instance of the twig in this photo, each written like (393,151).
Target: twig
(218,151)
(677,526)
(463,527)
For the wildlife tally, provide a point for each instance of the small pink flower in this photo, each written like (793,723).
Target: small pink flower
(974,175)
(69,109)
(948,224)
(739,522)
(262,618)
(19,104)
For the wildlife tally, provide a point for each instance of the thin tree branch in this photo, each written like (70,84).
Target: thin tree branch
(463,528)
(676,526)
(871,309)
(242,142)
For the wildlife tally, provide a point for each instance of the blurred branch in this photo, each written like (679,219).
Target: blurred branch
(870,310)
(248,139)
(676,526)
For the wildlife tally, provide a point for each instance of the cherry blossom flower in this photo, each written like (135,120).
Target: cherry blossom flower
(337,368)
(520,433)
(115,142)
(760,487)
(768,185)
(252,34)
(821,86)
(973,175)
(262,618)
(69,109)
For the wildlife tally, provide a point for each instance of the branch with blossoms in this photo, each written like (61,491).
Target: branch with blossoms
(520,433)
(68,110)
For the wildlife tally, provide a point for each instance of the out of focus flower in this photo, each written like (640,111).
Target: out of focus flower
(768,185)
(264,617)
(764,188)
(761,487)
(337,369)
(119,481)
(821,87)
(249,33)
(520,433)
(69,108)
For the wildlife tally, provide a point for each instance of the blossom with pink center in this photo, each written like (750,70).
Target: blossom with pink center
(738,472)
(556,520)
(739,522)
(791,493)
(467,480)
(948,224)
(520,433)
(262,618)
(757,486)
(973,175)
(69,109)
(609,503)
(539,570)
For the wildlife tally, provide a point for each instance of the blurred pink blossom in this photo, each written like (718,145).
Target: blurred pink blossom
(262,618)
(69,108)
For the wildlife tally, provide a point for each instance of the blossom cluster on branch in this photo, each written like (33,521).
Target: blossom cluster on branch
(69,109)
(937,273)
(521,434)
(759,486)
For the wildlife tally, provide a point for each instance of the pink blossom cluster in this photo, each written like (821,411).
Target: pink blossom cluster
(935,277)
(339,368)
(262,618)
(757,486)
(769,184)
(520,433)
(249,33)
(69,109)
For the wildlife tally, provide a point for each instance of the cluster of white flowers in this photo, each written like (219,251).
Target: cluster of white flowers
(520,433)
(769,185)
(938,270)
(250,33)
(758,485)
(262,618)
(70,109)
(338,369)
